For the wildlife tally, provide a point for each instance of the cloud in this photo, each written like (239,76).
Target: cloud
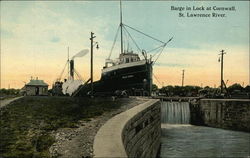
(55,39)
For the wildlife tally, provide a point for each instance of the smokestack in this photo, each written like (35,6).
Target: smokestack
(71,64)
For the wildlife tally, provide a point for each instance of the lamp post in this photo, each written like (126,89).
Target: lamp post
(91,61)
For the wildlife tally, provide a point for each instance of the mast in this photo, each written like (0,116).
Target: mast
(121,26)
(68,63)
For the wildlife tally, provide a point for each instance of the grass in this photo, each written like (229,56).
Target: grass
(26,124)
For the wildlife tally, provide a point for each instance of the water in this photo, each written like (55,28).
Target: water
(180,139)
(198,141)
(175,112)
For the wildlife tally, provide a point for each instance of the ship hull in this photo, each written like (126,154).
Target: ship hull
(134,80)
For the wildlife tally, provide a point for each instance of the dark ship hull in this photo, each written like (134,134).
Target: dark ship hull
(131,79)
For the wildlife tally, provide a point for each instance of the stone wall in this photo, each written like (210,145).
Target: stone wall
(231,114)
(133,133)
(142,134)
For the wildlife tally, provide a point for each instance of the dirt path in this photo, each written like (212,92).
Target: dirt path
(7,101)
(78,142)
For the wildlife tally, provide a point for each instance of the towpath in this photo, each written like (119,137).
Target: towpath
(78,142)
(7,101)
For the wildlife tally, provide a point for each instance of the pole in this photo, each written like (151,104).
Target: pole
(182,84)
(91,63)
(121,26)
(221,81)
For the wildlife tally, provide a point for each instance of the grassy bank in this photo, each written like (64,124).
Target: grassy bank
(26,123)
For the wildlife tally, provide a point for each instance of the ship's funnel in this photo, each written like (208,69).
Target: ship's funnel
(71,65)
(81,53)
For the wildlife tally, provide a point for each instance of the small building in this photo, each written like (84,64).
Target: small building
(36,87)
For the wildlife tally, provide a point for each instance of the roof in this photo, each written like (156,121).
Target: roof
(36,83)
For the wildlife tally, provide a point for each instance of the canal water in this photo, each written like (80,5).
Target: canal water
(180,139)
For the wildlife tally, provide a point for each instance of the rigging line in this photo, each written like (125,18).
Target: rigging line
(128,38)
(154,49)
(157,80)
(132,39)
(80,77)
(144,34)
(60,76)
(77,75)
(113,45)
(127,44)
(65,78)
(163,49)
(127,41)
(158,51)
(159,55)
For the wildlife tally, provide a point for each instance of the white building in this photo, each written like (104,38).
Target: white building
(36,87)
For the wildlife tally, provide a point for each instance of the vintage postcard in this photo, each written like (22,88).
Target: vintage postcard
(125,78)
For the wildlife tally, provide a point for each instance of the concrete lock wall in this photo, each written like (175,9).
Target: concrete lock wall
(133,133)
(231,114)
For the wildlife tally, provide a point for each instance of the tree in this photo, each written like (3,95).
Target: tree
(247,88)
(154,87)
(207,87)
(9,91)
(234,87)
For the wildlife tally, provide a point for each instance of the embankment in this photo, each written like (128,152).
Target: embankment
(233,114)
(133,133)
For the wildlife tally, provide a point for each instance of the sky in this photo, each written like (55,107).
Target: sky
(35,36)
